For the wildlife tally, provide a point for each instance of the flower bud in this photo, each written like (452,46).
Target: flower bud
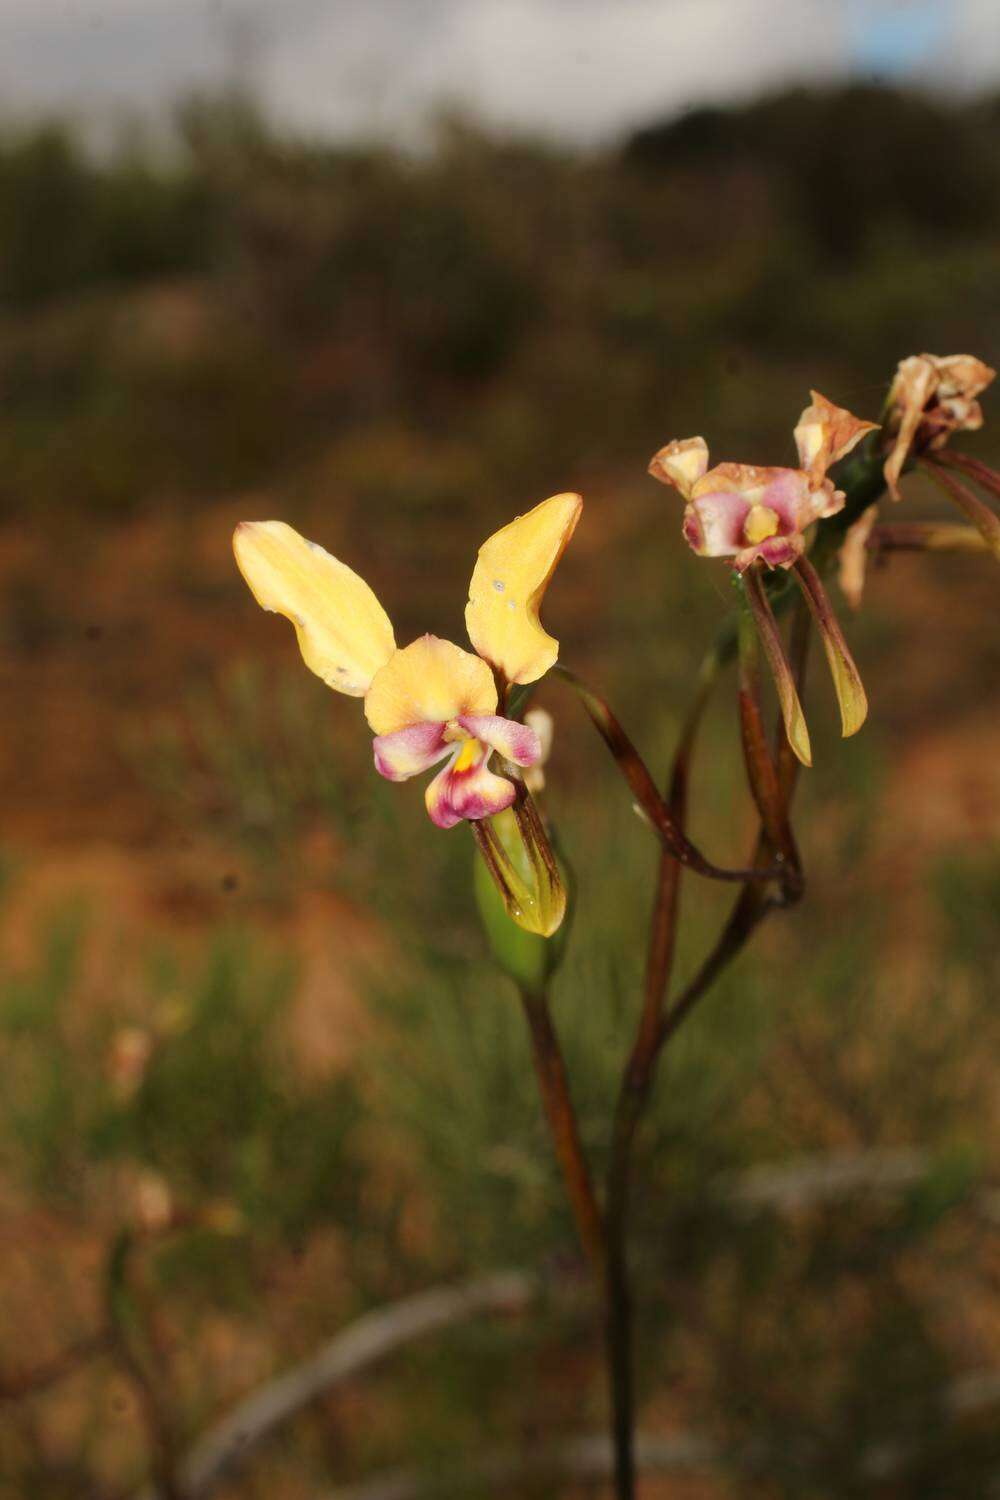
(525,895)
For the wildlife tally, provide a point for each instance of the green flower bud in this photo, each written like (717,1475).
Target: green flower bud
(520,890)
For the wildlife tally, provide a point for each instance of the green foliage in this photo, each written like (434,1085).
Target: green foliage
(46,1097)
(216,1104)
(249,755)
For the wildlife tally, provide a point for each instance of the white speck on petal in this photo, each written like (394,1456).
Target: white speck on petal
(511,604)
(498,584)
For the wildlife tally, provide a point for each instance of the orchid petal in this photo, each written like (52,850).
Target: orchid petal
(680,464)
(853,561)
(344,634)
(961,376)
(776,551)
(789,492)
(915,383)
(821,502)
(713,523)
(508,582)
(825,433)
(428,682)
(541,721)
(467,790)
(407,752)
(515,742)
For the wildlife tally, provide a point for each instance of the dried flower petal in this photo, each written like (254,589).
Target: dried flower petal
(931,397)
(680,464)
(825,434)
(853,559)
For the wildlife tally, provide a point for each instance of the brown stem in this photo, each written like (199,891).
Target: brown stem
(973,468)
(666,903)
(754,901)
(925,536)
(642,785)
(554,1086)
(986,521)
(761,767)
(632,1098)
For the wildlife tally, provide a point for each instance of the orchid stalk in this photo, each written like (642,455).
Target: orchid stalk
(779,531)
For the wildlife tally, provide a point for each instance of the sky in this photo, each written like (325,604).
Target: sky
(581,69)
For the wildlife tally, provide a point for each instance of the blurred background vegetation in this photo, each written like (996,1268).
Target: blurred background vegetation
(258,1076)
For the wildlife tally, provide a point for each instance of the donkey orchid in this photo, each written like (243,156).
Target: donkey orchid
(432,700)
(931,397)
(761,514)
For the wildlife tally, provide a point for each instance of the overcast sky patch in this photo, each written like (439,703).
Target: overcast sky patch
(587,69)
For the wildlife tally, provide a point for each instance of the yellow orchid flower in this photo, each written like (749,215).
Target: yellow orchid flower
(432,700)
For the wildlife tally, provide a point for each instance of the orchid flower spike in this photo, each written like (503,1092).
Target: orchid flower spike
(761,514)
(931,397)
(430,701)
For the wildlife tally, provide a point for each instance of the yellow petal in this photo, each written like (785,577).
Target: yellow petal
(344,634)
(509,579)
(429,682)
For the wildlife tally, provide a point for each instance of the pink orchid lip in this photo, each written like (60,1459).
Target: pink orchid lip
(715,523)
(516,742)
(776,551)
(471,792)
(409,751)
(461,790)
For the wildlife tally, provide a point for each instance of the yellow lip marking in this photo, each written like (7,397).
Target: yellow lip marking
(467,756)
(761,522)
